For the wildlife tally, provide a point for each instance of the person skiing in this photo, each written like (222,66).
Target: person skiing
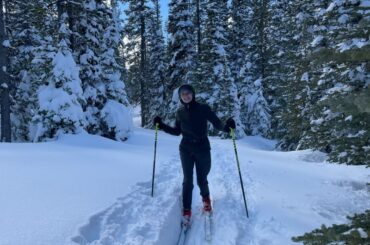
(191,122)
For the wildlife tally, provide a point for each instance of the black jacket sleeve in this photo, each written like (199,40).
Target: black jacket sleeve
(216,122)
(172,130)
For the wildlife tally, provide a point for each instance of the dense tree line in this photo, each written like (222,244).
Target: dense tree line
(63,71)
(296,71)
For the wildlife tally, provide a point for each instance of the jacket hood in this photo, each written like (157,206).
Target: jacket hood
(186,87)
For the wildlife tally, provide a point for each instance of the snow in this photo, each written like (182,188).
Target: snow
(218,69)
(258,83)
(118,117)
(344,18)
(65,67)
(317,41)
(305,77)
(89,54)
(343,154)
(317,121)
(360,133)
(220,50)
(320,82)
(59,99)
(183,24)
(6,44)
(339,88)
(90,5)
(331,7)
(85,189)
(52,99)
(362,233)
(355,42)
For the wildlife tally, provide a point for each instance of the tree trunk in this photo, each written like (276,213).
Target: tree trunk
(262,37)
(198,26)
(61,8)
(71,22)
(4,82)
(157,13)
(142,65)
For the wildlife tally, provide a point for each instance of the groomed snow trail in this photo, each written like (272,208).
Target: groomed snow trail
(140,219)
(230,223)
(287,194)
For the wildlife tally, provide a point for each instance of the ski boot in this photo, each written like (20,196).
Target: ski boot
(186,215)
(207,206)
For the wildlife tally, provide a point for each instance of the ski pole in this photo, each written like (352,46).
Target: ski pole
(155,153)
(240,175)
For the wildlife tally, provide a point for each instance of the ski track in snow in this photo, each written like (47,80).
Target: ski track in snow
(139,219)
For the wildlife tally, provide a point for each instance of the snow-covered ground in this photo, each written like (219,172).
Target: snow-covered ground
(84,189)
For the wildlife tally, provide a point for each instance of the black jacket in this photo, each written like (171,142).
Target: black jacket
(191,122)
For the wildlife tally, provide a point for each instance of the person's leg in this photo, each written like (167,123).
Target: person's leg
(187,162)
(203,167)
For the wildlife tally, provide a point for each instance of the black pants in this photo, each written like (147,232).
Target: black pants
(202,162)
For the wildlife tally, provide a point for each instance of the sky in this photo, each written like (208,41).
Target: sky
(164,10)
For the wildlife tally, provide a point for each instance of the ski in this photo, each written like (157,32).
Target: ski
(184,230)
(208,226)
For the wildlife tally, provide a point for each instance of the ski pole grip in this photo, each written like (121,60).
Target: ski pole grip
(232,133)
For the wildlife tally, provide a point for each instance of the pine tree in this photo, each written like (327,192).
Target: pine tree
(240,32)
(255,109)
(239,59)
(258,37)
(181,43)
(32,51)
(218,88)
(339,120)
(181,51)
(49,99)
(199,8)
(88,52)
(116,114)
(156,65)
(281,48)
(97,40)
(136,32)
(25,37)
(60,97)
(355,233)
(306,95)
(200,16)
(298,98)
(247,55)
(255,118)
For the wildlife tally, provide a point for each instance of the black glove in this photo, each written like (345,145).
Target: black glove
(158,120)
(230,123)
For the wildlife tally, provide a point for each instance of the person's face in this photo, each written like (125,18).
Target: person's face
(186,96)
